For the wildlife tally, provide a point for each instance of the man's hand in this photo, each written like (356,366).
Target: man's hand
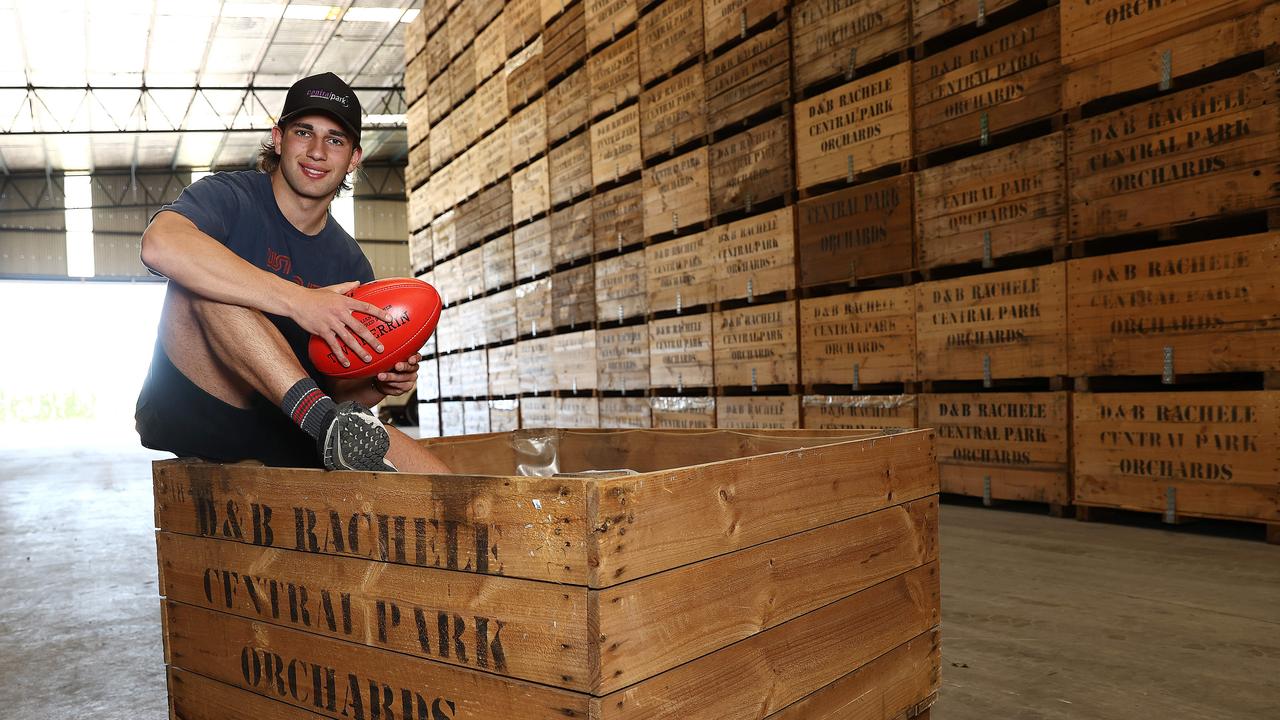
(327,313)
(400,379)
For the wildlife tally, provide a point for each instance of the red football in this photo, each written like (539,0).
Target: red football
(415,309)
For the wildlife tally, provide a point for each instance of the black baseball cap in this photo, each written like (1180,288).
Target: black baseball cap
(325,93)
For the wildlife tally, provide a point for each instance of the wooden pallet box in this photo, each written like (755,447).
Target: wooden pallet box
(727,20)
(573,297)
(832,40)
(859,338)
(620,287)
(436,53)
(533,307)
(475,331)
(418,126)
(451,375)
(475,416)
(471,274)
(683,413)
(566,41)
(1181,453)
(504,415)
(1005,202)
(614,73)
(451,419)
(577,412)
(420,250)
(673,113)
(931,18)
(415,37)
(499,262)
(486,215)
(1002,446)
(1206,307)
(615,146)
(756,346)
(1010,324)
(536,371)
(501,317)
(428,387)
(865,412)
(681,272)
(460,28)
(537,412)
(855,128)
(617,218)
(439,99)
(625,412)
(523,22)
(473,374)
(415,79)
(569,167)
(485,12)
(530,191)
(680,353)
(568,105)
(751,167)
(571,228)
(676,193)
(670,35)
(1111,47)
(462,76)
(749,78)
(622,359)
(491,51)
(525,79)
(528,133)
(864,231)
(743,412)
(755,256)
(492,107)
(1211,150)
(419,167)
(428,427)
(1001,80)
(607,19)
(504,370)
(573,361)
(493,156)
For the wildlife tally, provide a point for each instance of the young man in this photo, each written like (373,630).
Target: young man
(256,264)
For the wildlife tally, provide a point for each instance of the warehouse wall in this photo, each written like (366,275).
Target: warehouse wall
(1041,228)
(32,227)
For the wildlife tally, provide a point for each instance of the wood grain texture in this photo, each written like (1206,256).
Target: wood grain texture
(756,345)
(615,146)
(863,125)
(573,298)
(680,272)
(192,697)
(749,78)
(676,193)
(536,371)
(754,256)
(829,38)
(572,229)
(533,307)
(673,112)
(618,217)
(751,167)
(860,232)
(1214,303)
(863,412)
(620,287)
(607,18)
(622,361)
(614,73)
(670,35)
(727,20)
(625,412)
(573,361)
(775,412)
(680,352)
(868,336)
(684,413)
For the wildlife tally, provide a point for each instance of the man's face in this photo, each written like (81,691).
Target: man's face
(316,153)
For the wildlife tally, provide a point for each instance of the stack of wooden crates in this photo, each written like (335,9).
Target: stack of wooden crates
(1043,228)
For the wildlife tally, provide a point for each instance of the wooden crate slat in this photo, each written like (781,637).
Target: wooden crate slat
(841,412)
(756,345)
(866,337)
(854,128)
(859,232)
(747,412)
(829,38)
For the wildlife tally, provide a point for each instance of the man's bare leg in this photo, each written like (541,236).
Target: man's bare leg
(231,351)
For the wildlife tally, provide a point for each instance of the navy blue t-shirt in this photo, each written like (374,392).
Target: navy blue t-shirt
(239,210)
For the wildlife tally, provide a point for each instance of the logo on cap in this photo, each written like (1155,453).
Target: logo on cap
(327,95)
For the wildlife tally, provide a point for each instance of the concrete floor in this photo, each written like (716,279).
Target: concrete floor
(1042,618)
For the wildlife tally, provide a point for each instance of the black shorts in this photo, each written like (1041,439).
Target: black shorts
(177,416)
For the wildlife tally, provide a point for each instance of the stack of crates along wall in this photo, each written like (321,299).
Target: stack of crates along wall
(713,574)
(1174,156)
(852,215)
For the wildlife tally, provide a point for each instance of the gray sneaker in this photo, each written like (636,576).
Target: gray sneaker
(356,440)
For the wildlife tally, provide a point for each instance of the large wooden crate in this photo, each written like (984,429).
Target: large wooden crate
(673,112)
(530,191)
(569,169)
(501,318)
(853,412)
(742,412)
(831,39)
(680,273)
(614,73)
(864,231)
(1002,446)
(751,167)
(568,105)
(499,262)
(577,412)
(997,81)
(755,256)
(1010,324)
(491,595)
(621,287)
(573,297)
(536,372)
(1206,307)
(930,18)
(680,352)
(858,127)
(566,41)
(676,193)
(571,228)
(683,413)
(1211,454)
(622,359)
(606,19)
(625,412)
(533,307)
(1202,152)
(537,412)
(618,217)
(859,338)
(615,146)
(532,249)
(727,20)
(504,370)
(528,133)
(756,346)
(670,35)
(749,78)
(525,79)
(1116,46)
(573,361)
(1005,202)
(504,415)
